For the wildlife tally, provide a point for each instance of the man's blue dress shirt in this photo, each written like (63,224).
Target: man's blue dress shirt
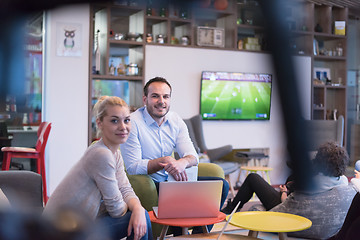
(149,141)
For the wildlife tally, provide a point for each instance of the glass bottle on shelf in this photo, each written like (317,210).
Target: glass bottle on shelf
(339,50)
(121,69)
(183,13)
(163,10)
(112,68)
(149,8)
(13,104)
(25,119)
(97,54)
(7,104)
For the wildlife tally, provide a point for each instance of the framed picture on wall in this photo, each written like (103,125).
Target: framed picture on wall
(69,39)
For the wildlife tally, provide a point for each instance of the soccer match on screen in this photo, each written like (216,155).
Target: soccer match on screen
(235,96)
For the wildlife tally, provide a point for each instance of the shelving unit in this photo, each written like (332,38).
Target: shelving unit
(242,22)
(329,53)
(117,49)
(313,34)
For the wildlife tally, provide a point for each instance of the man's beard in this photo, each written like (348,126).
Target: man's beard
(159,115)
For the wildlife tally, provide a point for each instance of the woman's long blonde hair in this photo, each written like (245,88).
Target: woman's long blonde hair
(100,107)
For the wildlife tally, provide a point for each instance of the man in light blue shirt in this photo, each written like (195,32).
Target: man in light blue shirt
(155,134)
(157,144)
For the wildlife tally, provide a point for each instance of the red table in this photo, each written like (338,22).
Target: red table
(185,223)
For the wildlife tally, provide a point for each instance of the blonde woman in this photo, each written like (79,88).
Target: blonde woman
(98,185)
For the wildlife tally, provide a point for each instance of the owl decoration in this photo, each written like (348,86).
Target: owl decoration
(69,38)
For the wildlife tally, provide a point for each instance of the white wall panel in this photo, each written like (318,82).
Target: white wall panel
(66,94)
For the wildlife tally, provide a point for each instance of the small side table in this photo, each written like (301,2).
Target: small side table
(265,221)
(185,223)
(254,169)
(256,156)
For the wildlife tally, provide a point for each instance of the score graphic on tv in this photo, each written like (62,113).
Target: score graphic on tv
(235,96)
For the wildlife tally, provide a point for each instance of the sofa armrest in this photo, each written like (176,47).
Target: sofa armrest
(210,170)
(145,189)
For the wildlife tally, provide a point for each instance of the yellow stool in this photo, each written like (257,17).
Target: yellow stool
(254,169)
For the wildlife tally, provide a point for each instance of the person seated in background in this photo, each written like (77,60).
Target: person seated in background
(328,171)
(155,134)
(356,179)
(97,184)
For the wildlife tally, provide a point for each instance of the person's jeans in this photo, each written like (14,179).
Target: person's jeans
(117,227)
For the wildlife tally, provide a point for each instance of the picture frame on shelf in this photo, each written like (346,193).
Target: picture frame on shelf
(210,36)
(339,28)
(322,74)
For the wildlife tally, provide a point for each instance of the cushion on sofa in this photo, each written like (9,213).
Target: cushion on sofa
(326,210)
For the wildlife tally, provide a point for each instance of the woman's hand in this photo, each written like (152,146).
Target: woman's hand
(137,221)
(283,188)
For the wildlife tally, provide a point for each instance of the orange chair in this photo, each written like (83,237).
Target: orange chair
(37,153)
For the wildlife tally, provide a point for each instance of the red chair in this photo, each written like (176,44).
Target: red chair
(37,153)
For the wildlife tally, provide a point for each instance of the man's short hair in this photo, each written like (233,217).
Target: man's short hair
(155,79)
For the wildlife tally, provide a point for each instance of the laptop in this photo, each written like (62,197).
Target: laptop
(189,199)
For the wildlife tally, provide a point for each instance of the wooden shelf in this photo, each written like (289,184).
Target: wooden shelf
(126,43)
(336,87)
(180,20)
(156,18)
(248,26)
(111,77)
(319,108)
(300,33)
(329,58)
(327,36)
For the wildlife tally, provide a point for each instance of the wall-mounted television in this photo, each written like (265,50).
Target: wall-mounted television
(235,95)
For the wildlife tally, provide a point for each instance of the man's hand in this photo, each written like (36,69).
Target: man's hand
(159,163)
(177,169)
(174,167)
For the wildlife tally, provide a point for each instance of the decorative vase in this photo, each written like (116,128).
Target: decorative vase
(318,28)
